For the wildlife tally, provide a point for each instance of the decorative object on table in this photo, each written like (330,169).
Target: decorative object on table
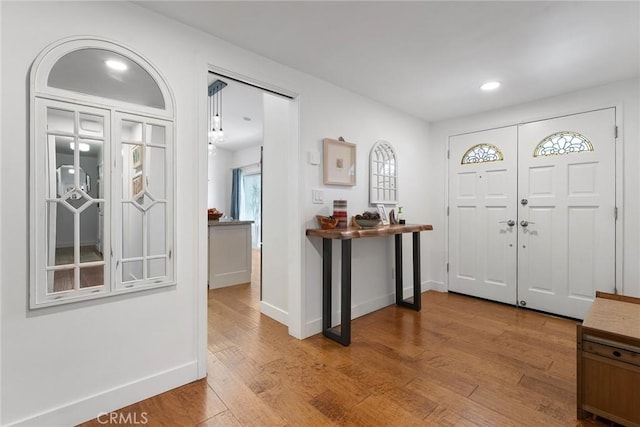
(340,212)
(214,214)
(327,222)
(392,217)
(338,162)
(368,219)
(400,219)
(383,214)
(383,174)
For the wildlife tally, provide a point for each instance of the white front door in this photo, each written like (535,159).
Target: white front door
(482,197)
(566,192)
(555,179)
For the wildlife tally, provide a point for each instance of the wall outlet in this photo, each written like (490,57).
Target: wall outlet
(317,196)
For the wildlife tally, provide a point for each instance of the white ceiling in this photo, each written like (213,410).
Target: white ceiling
(241,114)
(429,58)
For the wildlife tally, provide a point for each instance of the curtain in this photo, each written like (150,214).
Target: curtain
(236,180)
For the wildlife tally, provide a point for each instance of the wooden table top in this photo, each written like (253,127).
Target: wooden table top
(613,315)
(355,233)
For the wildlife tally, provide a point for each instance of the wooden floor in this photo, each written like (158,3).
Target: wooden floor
(459,362)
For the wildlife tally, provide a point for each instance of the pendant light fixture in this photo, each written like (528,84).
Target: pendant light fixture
(215,134)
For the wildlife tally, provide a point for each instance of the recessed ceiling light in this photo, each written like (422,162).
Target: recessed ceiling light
(114,64)
(490,86)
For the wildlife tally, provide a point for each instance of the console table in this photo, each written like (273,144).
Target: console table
(345,235)
(609,360)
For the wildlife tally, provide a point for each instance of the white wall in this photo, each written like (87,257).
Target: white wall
(63,365)
(362,122)
(625,94)
(220,166)
(246,157)
(219,188)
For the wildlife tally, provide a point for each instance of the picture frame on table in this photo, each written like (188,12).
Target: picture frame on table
(338,162)
(382,211)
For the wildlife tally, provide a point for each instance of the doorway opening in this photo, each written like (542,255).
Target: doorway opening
(258,124)
(234,190)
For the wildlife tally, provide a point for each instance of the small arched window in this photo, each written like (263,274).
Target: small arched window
(383,179)
(102,184)
(482,153)
(562,143)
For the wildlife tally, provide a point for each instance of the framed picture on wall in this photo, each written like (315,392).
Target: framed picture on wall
(338,162)
(137,156)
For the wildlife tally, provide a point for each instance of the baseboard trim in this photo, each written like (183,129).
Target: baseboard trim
(110,400)
(274,312)
(432,285)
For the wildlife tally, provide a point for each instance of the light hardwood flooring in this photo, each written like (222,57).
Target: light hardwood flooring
(459,362)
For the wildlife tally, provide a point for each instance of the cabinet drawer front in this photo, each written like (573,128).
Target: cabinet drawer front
(614,353)
(611,389)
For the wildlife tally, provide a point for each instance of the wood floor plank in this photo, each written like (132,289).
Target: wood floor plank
(223,419)
(296,411)
(462,406)
(246,407)
(200,401)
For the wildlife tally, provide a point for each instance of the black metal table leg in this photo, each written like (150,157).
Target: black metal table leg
(416,304)
(327,257)
(417,285)
(344,337)
(399,275)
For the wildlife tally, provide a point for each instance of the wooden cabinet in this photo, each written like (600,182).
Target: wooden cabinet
(609,360)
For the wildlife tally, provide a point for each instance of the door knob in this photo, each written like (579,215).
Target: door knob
(510,222)
(525,223)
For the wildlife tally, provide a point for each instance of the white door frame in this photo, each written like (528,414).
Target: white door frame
(619,224)
(295,228)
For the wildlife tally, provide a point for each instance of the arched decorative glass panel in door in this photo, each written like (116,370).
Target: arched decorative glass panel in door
(102,182)
(482,153)
(562,143)
(383,174)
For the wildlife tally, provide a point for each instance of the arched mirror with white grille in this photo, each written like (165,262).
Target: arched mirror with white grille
(102,182)
(383,174)
(561,143)
(482,153)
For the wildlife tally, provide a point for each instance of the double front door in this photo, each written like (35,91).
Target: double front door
(532,212)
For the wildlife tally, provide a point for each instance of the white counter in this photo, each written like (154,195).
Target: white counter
(229,253)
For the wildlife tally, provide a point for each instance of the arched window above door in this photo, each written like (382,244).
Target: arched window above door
(482,153)
(106,74)
(561,143)
(101,72)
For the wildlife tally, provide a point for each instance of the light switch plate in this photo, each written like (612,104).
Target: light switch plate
(314,158)
(317,196)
